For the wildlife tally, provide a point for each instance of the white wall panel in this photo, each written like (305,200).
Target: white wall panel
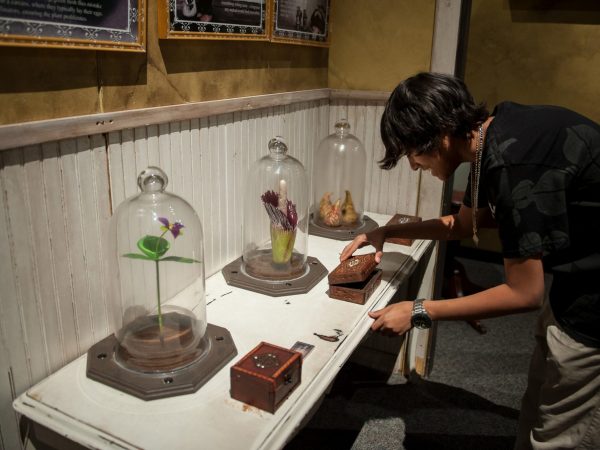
(53,305)
(59,264)
(9,434)
(12,348)
(74,242)
(206,161)
(23,257)
(10,309)
(43,272)
(56,200)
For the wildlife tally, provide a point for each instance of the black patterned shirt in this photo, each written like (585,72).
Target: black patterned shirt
(540,176)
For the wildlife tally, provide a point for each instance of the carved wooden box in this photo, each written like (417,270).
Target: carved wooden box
(266,376)
(355,279)
(402,218)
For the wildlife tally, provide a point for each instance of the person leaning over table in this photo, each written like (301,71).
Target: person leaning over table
(536,171)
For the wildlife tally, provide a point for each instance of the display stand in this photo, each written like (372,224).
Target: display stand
(214,351)
(97,416)
(343,232)
(235,276)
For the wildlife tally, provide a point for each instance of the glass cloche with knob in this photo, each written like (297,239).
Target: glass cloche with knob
(159,255)
(275,228)
(158,302)
(275,216)
(339,186)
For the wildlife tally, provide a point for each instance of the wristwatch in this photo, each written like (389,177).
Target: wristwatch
(419,318)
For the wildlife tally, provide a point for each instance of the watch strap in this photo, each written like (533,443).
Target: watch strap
(418,307)
(420,317)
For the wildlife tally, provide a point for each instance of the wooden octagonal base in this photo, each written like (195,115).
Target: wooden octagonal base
(235,276)
(215,350)
(144,348)
(343,232)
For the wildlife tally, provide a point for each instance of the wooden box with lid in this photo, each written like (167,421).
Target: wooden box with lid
(266,376)
(398,219)
(355,279)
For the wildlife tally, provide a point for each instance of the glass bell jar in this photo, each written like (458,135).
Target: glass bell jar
(275,225)
(159,295)
(339,185)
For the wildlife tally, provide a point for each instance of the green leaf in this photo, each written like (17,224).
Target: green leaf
(180,259)
(136,256)
(153,246)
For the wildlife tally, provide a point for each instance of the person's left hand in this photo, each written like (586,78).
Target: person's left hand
(375,237)
(393,319)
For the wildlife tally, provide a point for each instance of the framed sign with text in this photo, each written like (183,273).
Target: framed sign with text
(213,19)
(304,22)
(83,24)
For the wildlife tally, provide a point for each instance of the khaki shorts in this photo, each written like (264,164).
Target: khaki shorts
(561,406)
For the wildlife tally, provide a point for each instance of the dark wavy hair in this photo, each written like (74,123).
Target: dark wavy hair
(421,109)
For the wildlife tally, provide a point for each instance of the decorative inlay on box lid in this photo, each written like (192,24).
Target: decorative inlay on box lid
(268,360)
(353,270)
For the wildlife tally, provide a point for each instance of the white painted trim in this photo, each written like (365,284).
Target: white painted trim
(37,132)
(445,36)
(348,94)
(29,133)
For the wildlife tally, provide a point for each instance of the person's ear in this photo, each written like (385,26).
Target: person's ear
(444,144)
(446,141)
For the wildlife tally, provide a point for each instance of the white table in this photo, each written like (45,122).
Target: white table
(97,416)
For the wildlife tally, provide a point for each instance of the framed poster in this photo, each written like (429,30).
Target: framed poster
(84,24)
(303,22)
(213,19)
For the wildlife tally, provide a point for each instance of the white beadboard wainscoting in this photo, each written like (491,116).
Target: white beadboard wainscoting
(57,197)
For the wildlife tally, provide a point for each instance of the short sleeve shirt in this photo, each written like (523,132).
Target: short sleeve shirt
(540,176)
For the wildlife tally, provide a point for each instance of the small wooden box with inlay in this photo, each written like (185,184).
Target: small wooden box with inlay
(398,219)
(266,376)
(355,279)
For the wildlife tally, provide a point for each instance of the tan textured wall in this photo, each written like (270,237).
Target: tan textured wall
(522,52)
(376,44)
(40,83)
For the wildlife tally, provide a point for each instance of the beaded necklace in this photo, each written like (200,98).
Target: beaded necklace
(475,172)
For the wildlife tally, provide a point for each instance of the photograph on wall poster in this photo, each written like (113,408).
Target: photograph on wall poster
(87,24)
(301,22)
(214,19)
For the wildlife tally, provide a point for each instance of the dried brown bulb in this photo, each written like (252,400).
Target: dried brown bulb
(349,215)
(334,217)
(325,205)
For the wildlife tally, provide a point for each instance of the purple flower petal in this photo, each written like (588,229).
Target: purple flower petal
(270,197)
(292,215)
(176,229)
(164,221)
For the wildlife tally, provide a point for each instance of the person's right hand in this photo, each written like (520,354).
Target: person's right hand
(376,238)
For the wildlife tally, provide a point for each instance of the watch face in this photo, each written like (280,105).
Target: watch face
(421,321)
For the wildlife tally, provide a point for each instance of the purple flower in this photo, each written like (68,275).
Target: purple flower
(174,228)
(292,215)
(287,219)
(270,197)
